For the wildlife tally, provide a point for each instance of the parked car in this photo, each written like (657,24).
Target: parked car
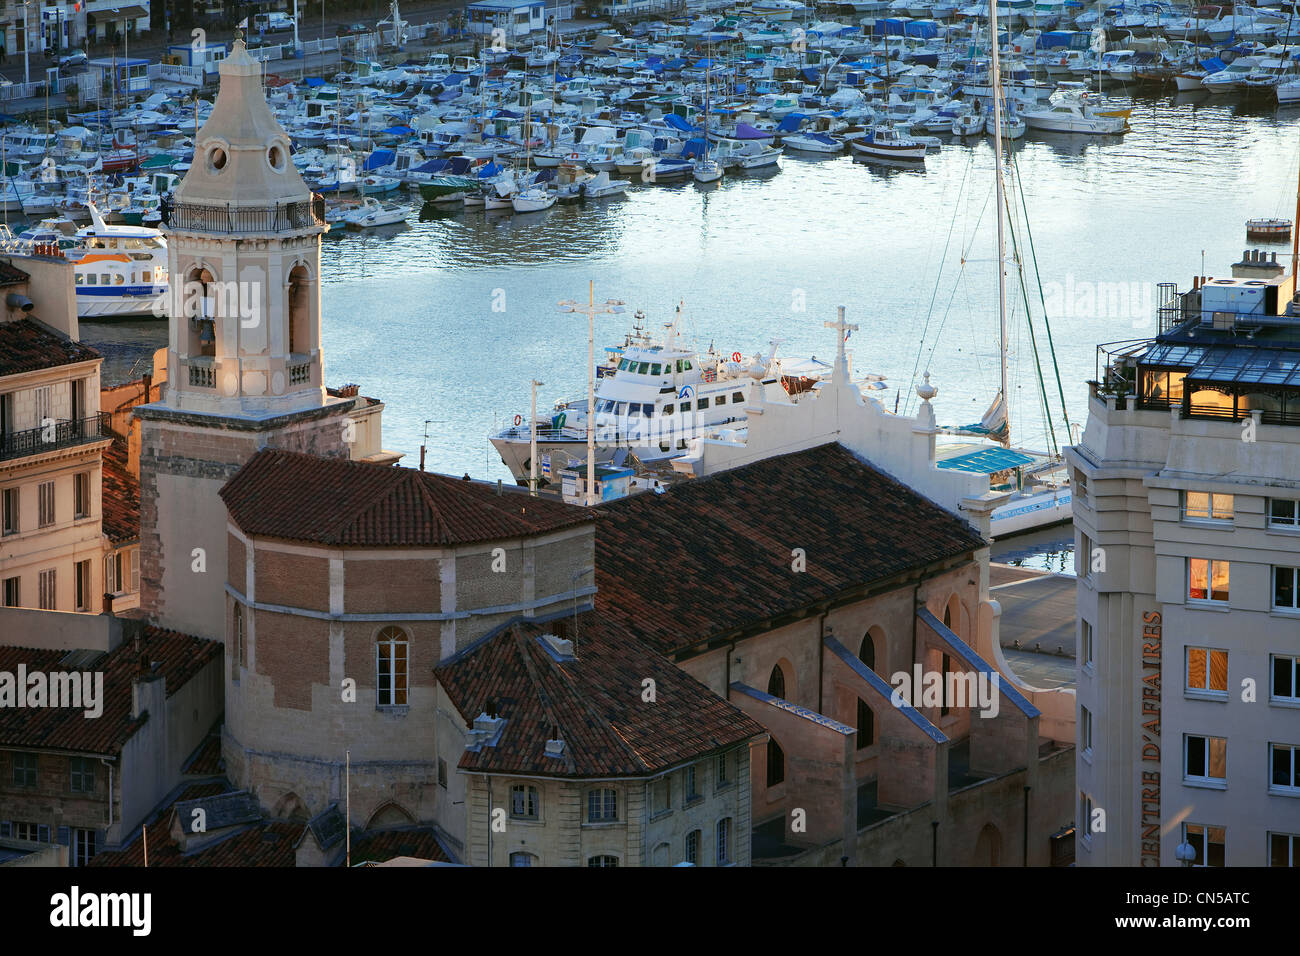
(77,58)
(272,22)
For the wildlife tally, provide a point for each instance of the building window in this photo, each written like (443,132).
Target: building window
(693,847)
(1207,671)
(522,859)
(867,652)
(724,841)
(113,573)
(945,667)
(523,802)
(48,594)
(1205,759)
(602,861)
(1085,642)
(442,773)
(602,805)
(30,831)
(1202,506)
(692,791)
(661,800)
(1286,589)
(1285,680)
(45,501)
(866,725)
(775,763)
(82,771)
(1085,816)
(12,595)
(237,641)
(390,667)
(1209,843)
(1083,557)
(25,771)
(1284,513)
(1284,761)
(776,682)
(1085,730)
(81,578)
(1207,580)
(724,770)
(81,495)
(9,504)
(1284,849)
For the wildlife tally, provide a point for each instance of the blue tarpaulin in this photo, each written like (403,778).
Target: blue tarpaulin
(811,74)
(678,123)
(432,166)
(925,29)
(488,170)
(378,159)
(790,123)
(313,81)
(694,148)
(887,26)
(399,131)
(1213,65)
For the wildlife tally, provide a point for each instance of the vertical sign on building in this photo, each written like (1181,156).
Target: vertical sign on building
(1149,766)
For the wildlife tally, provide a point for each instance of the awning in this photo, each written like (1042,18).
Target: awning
(120,13)
(986,461)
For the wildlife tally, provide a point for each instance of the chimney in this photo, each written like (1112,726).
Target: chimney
(555,745)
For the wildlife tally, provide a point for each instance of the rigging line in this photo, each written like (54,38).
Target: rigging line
(1033,255)
(1033,342)
(938,276)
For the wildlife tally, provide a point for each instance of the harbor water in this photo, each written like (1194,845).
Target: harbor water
(448,320)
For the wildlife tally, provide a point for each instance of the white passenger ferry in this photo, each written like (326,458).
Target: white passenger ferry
(119,270)
(651,398)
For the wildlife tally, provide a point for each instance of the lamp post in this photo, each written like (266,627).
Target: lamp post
(591,310)
(27,40)
(1185,853)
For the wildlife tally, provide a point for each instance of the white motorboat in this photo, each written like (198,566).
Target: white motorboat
(707,171)
(813,143)
(1072,110)
(372,213)
(885,142)
(602,187)
(533,199)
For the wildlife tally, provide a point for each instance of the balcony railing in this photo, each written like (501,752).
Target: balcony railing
(58,434)
(227,220)
(202,374)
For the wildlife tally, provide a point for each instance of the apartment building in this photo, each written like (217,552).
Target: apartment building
(1187,517)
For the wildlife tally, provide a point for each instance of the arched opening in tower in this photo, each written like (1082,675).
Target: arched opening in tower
(300,297)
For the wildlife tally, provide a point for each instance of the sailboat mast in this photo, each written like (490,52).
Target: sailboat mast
(1001,203)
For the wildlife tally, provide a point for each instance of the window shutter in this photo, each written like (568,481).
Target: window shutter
(43,833)
(6,828)
(135,569)
(65,835)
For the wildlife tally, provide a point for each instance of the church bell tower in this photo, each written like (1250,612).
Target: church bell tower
(244,347)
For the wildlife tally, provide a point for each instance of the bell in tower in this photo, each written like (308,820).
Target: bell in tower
(244,257)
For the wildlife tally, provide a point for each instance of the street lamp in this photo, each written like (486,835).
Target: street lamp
(591,310)
(1185,853)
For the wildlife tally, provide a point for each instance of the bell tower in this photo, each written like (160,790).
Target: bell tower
(244,347)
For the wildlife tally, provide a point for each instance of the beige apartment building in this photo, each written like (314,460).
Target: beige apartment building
(1187,512)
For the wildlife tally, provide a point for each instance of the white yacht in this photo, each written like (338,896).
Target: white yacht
(1073,109)
(118,270)
(652,399)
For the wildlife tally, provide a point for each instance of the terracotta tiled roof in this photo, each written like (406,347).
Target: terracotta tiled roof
(27,345)
(11,274)
(350,503)
(121,496)
(595,700)
(206,760)
(381,846)
(717,553)
(179,658)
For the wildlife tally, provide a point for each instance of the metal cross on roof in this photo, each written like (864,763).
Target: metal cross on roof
(844,328)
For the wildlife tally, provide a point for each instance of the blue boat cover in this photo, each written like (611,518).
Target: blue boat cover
(313,81)
(1213,65)
(674,64)
(887,27)
(378,159)
(811,74)
(745,131)
(399,130)
(678,123)
(460,165)
(694,148)
(432,166)
(790,123)
(986,461)
(488,170)
(925,29)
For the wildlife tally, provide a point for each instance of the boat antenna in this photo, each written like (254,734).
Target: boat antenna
(997,167)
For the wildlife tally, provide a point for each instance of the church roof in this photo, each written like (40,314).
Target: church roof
(716,554)
(242,153)
(594,700)
(344,503)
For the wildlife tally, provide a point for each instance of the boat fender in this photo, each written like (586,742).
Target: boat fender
(519,419)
